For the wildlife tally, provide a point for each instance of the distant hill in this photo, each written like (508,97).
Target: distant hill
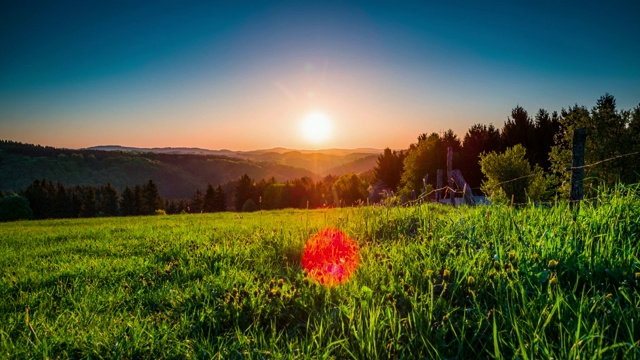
(176,174)
(321,162)
(358,166)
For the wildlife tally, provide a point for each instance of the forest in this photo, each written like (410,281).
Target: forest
(534,150)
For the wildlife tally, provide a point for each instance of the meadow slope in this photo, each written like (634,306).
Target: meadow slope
(433,282)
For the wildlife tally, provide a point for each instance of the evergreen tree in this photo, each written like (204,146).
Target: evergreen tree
(426,157)
(545,129)
(138,200)
(220,200)
(609,133)
(14,207)
(197,202)
(41,197)
(151,199)
(389,167)
(127,202)
(479,139)
(108,200)
(209,199)
(63,208)
(243,191)
(519,129)
(172,207)
(89,206)
(76,201)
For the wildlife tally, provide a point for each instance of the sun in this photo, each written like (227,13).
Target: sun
(316,127)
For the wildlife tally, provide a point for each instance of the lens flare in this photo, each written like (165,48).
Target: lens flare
(330,257)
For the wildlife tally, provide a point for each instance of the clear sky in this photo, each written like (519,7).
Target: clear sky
(244,75)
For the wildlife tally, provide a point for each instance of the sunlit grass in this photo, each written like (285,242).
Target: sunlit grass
(433,282)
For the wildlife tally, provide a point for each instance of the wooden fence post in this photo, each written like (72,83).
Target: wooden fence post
(438,184)
(467,193)
(449,175)
(577,169)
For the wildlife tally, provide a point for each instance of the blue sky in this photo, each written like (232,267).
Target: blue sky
(243,75)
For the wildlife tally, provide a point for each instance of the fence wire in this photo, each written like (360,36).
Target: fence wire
(423,197)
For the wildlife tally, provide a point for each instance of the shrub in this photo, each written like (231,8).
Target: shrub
(509,174)
(15,207)
(249,206)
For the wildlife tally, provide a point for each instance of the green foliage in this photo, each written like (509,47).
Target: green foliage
(479,139)
(250,206)
(425,158)
(14,207)
(509,175)
(433,282)
(219,200)
(245,189)
(176,175)
(209,199)
(151,199)
(350,190)
(389,168)
(610,133)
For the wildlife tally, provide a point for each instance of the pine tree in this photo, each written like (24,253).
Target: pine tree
(197,200)
(151,199)
(62,204)
(220,200)
(127,202)
(389,168)
(89,206)
(243,191)
(209,199)
(108,200)
(138,201)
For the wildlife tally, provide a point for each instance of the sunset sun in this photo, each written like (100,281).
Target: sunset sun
(316,127)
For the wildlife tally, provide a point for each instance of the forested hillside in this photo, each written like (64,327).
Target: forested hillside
(177,175)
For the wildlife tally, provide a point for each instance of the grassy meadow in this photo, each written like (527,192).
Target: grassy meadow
(433,282)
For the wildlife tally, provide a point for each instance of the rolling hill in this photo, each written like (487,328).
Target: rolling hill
(320,162)
(176,171)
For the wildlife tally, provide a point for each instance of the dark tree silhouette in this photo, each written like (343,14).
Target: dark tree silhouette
(244,190)
(151,199)
(209,199)
(62,204)
(108,200)
(89,203)
(14,207)
(197,202)
(41,196)
(479,139)
(219,200)
(426,157)
(127,202)
(389,167)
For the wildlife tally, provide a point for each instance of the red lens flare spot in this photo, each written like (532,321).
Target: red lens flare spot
(330,257)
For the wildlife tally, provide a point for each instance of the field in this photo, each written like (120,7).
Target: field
(433,282)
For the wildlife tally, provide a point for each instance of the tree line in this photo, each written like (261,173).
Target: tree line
(537,149)
(44,200)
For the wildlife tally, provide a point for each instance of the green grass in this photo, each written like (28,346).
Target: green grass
(433,282)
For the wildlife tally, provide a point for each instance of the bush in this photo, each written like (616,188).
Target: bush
(249,206)
(15,207)
(509,174)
